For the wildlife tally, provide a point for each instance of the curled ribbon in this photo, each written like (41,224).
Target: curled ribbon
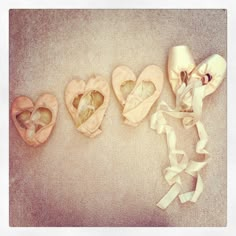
(190,118)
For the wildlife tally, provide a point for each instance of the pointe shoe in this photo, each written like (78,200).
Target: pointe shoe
(34,122)
(87,104)
(210,72)
(203,81)
(185,77)
(180,66)
(140,94)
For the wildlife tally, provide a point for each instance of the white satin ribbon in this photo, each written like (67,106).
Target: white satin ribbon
(189,101)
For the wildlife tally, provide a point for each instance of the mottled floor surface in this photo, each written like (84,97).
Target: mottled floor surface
(115,179)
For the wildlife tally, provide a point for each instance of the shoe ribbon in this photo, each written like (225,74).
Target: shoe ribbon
(189,100)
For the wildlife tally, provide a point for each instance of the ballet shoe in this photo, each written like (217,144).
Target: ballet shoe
(87,104)
(210,72)
(137,95)
(180,66)
(34,122)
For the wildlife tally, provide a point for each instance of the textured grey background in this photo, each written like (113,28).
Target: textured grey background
(115,179)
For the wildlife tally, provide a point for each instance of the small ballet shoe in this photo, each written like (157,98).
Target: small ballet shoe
(137,95)
(180,66)
(34,122)
(87,104)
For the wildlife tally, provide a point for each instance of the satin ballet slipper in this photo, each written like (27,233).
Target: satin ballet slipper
(87,104)
(210,72)
(35,122)
(137,95)
(203,81)
(180,66)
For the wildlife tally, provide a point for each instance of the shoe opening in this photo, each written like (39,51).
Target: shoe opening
(76,101)
(22,118)
(40,118)
(87,105)
(126,88)
(206,79)
(144,90)
(184,76)
(44,115)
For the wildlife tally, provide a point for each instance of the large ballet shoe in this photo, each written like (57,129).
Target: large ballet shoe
(35,122)
(203,81)
(180,66)
(87,104)
(137,95)
(186,79)
(210,72)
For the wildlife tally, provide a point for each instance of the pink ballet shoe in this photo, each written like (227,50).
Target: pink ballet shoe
(35,122)
(87,104)
(210,72)
(137,95)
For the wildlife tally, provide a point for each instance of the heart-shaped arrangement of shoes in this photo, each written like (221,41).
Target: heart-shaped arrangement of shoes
(137,95)
(34,122)
(87,104)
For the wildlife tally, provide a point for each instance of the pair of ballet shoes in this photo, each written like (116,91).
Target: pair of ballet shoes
(182,69)
(137,95)
(34,122)
(87,104)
